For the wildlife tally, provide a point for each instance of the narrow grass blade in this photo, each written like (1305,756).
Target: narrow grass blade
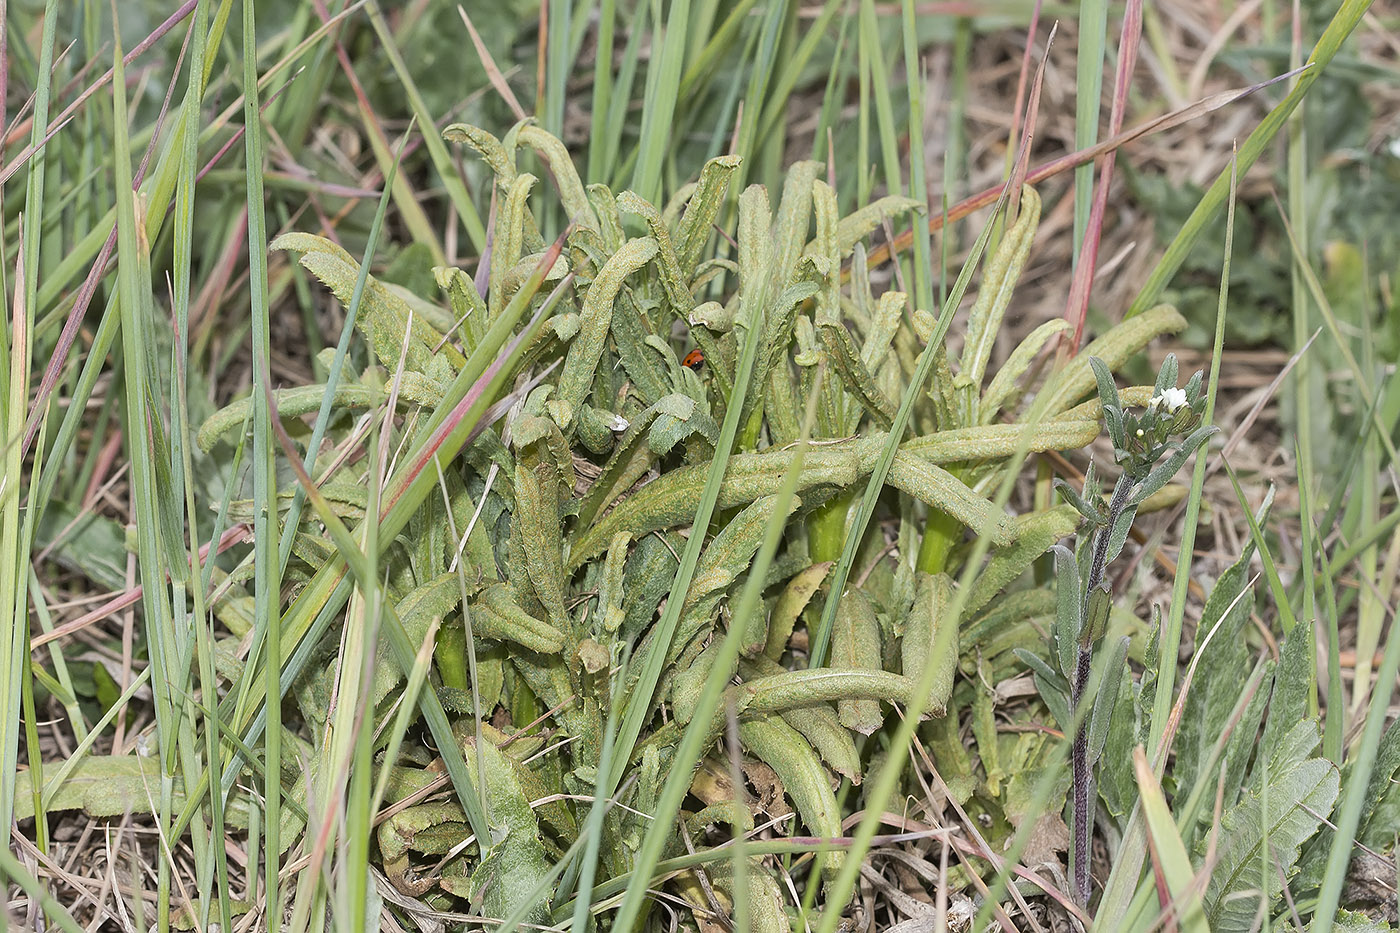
(1169,859)
(14,539)
(1089,236)
(1090,52)
(267,570)
(658,111)
(437,149)
(1348,818)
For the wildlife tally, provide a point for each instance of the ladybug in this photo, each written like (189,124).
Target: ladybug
(694,359)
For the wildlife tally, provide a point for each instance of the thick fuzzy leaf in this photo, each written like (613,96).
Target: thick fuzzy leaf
(107,786)
(1003,388)
(855,646)
(789,605)
(928,615)
(1069,385)
(998,282)
(384,318)
(1288,704)
(514,864)
(804,778)
(700,212)
(1034,533)
(597,315)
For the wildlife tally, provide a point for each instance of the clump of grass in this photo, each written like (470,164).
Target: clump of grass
(566,585)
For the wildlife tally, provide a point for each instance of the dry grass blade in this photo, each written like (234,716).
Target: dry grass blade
(60,121)
(1020,168)
(881,254)
(1077,305)
(498,80)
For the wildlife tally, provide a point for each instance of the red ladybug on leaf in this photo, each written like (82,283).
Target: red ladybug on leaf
(694,359)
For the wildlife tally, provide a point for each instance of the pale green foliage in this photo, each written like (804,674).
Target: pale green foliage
(555,564)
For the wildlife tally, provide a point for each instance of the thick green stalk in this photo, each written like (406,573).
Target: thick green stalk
(826,527)
(940,531)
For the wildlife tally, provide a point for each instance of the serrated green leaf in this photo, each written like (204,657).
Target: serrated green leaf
(496,615)
(857,225)
(1288,704)
(1298,799)
(856,378)
(710,191)
(672,277)
(384,318)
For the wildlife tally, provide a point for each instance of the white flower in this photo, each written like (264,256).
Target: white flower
(1170,399)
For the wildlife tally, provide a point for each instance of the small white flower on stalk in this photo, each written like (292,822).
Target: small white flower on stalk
(1170,399)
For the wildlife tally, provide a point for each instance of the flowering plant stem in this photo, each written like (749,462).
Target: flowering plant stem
(1150,447)
(1083,779)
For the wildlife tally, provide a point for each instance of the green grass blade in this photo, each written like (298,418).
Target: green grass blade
(753,309)
(1335,725)
(821,640)
(211,854)
(557,64)
(267,570)
(869,36)
(1346,19)
(342,349)
(437,149)
(1303,379)
(601,102)
(918,182)
(154,508)
(658,112)
(14,538)
(1271,575)
(1168,852)
(1348,813)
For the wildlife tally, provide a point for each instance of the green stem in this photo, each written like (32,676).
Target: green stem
(826,528)
(748,435)
(939,534)
(451,657)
